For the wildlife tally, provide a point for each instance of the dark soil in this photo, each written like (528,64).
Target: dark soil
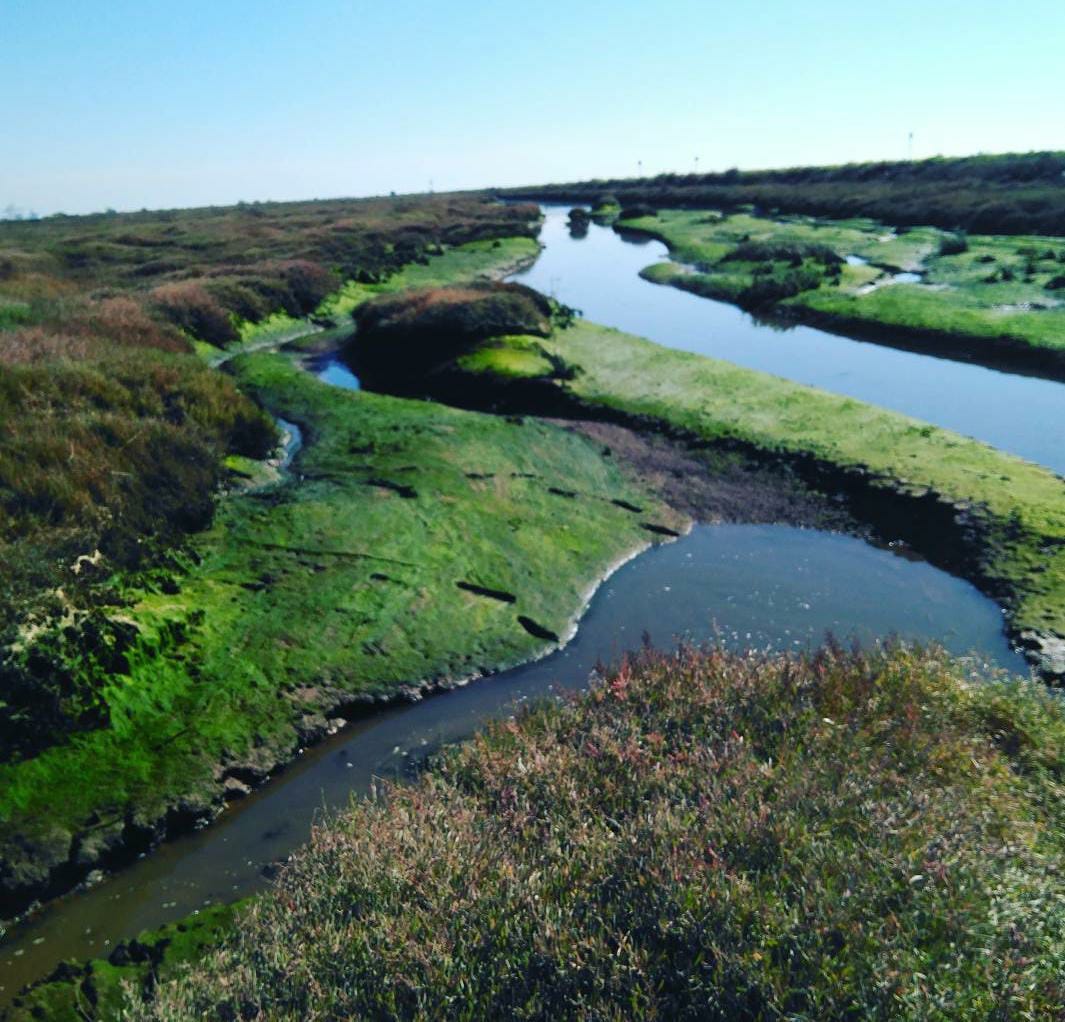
(715,486)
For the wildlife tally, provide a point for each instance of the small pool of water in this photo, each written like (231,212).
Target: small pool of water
(332,370)
(747,586)
(857,260)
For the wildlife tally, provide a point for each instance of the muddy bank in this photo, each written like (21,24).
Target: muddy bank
(715,486)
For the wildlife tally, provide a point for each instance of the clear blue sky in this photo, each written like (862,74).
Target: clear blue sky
(129,104)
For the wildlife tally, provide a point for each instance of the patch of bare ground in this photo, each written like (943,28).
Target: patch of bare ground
(714,486)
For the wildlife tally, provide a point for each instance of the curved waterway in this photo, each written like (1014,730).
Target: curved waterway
(598,274)
(748,586)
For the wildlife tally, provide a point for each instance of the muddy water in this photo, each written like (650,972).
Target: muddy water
(597,274)
(748,586)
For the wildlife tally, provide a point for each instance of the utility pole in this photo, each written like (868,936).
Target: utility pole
(639,168)
(696,164)
(909,146)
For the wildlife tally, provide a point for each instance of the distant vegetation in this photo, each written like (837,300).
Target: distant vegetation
(702,836)
(1010,194)
(983,297)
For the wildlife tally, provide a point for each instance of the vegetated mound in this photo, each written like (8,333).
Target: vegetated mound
(702,836)
(401,337)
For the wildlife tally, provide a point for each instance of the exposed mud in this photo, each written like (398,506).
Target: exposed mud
(709,485)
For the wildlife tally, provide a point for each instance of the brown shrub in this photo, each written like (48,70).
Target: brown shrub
(189,306)
(34,344)
(126,321)
(414,332)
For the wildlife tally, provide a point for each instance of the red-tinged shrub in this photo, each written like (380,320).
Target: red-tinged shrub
(418,331)
(34,344)
(308,281)
(126,321)
(188,305)
(240,299)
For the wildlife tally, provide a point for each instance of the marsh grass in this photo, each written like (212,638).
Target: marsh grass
(114,434)
(979,292)
(1012,193)
(702,836)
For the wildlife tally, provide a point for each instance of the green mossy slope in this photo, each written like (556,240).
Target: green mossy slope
(338,586)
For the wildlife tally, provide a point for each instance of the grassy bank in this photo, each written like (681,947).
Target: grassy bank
(703,836)
(994,518)
(114,436)
(418,544)
(97,991)
(996,300)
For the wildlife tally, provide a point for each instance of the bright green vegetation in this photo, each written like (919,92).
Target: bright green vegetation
(1019,554)
(1005,291)
(335,587)
(703,836)
(515,356)
(115,437)
(98,990)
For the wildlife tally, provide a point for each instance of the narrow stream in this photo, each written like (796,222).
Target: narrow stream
(598,274)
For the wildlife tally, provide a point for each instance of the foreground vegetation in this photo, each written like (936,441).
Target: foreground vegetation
(991,299)
(702,836)
(1016,193)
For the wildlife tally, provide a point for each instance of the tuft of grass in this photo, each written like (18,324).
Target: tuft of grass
(702,836)
(431,326)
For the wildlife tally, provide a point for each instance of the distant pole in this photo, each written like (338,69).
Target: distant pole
(639,168)
(696,164)
(909,146)
(430,186)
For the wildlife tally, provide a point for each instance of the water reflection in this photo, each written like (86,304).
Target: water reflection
(599,275)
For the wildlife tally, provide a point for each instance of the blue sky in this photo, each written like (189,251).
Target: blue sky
(113,103)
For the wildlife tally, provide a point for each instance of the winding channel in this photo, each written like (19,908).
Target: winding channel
(598,274)
(747,586)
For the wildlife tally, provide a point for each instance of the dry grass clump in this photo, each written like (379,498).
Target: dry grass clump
(703,836)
